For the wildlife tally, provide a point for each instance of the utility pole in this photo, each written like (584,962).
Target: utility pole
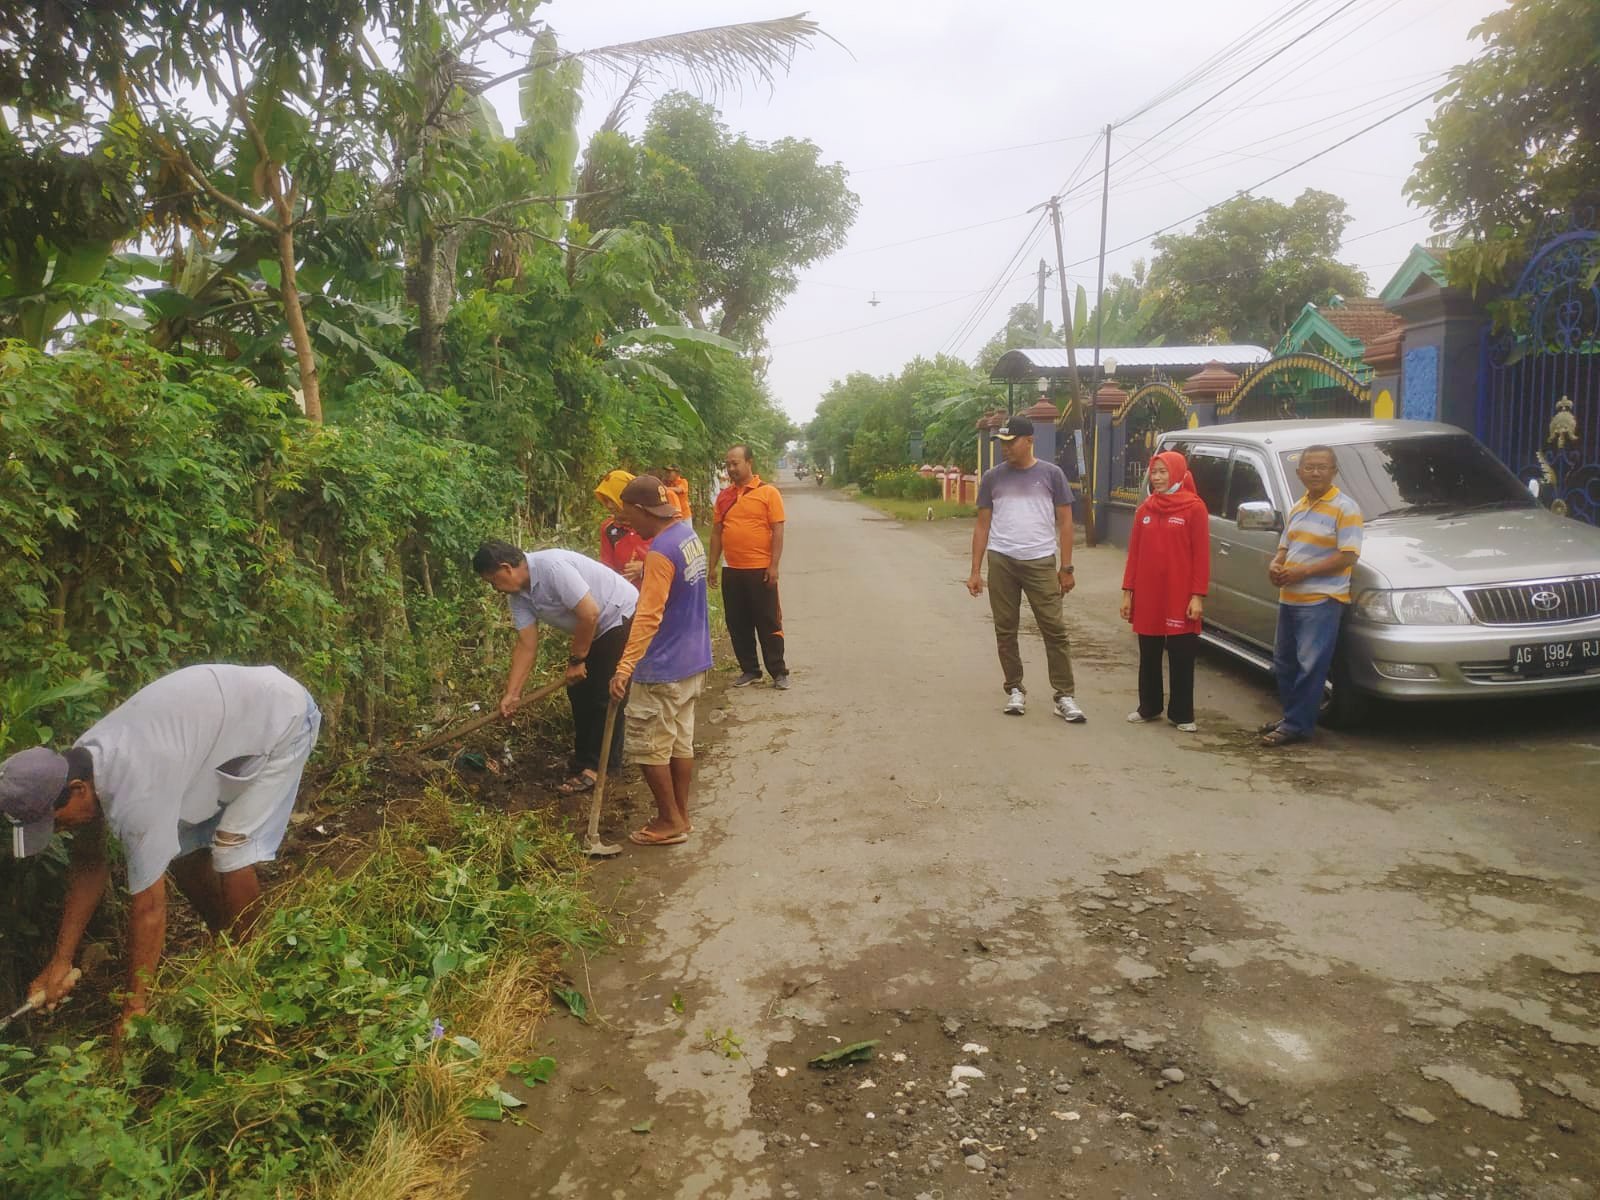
(1044,273)
(1099,327)
(1085,410)
(1100,285)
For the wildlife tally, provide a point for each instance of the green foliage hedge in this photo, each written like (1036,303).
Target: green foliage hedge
(153,515)
(904,483)
(265,1070)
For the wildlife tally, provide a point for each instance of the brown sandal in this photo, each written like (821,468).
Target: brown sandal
(1280,737)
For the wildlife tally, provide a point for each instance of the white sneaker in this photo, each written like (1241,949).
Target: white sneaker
(1067,709)
(1017,702)
(1189,727)
(1135,719)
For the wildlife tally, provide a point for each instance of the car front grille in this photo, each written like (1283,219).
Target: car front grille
(1543,602)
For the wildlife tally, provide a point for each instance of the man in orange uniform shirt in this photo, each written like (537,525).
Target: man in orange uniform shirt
(748,527)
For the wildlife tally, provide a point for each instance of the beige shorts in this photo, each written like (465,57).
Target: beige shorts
(661,720)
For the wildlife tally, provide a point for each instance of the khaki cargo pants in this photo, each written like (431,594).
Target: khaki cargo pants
(1009,580)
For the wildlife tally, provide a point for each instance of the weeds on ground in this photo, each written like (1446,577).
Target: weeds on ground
(917,510)
(335,1053)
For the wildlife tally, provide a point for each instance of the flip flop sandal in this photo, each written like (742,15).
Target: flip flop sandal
(1279,738)
(577,786)
(1270,726)
(643,837)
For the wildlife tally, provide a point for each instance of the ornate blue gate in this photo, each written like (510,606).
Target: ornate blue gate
(1540,411)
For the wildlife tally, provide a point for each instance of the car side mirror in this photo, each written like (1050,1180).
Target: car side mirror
(1259,517)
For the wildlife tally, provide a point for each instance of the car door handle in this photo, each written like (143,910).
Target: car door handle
(1223,548)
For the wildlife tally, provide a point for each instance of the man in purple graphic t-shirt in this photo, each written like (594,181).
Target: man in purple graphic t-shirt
(1024,517)
(666,658)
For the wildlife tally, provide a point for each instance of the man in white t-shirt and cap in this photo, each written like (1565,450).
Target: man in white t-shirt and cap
(588,601)
(1024,523)
(194,775)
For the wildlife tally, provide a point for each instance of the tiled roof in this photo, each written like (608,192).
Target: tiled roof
(1365,319)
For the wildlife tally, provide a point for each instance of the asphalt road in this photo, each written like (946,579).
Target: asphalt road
(1372,961)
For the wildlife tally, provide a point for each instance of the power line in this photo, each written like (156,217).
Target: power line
(980,310)
(1295,41)
(1361,237)
(1217,60)
(872,324)
(920,162)
(928,237)
(1263,183)
(1270,141)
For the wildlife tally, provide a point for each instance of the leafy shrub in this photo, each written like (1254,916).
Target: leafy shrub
(65,1131)
(904,483)
(267,1068)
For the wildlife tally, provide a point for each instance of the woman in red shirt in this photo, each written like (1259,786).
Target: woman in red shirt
(621,547)
(1163,587)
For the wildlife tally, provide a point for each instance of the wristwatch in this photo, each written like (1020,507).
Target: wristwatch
(575,660)
(1067,568)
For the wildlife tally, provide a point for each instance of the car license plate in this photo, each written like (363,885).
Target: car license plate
(1556,658)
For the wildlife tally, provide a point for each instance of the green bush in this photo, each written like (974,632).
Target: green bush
(153,515)
(265,1069)
(903,483)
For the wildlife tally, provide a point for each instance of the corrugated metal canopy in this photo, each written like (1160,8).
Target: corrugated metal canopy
(1050,362)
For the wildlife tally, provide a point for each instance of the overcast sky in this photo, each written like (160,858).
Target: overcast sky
(1006,99)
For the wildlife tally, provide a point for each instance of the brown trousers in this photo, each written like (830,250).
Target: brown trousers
(1009,581)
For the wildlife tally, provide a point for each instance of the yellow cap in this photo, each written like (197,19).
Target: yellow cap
(611,486)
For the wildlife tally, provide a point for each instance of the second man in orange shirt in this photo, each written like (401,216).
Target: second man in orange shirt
(747,528)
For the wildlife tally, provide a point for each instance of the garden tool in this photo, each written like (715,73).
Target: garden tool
(37,999)
(593,846)
(488,718)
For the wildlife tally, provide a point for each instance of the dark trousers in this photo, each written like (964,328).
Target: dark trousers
(752,612)
(591,696)
(1180,650)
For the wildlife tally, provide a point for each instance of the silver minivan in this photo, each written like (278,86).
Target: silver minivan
(1466,587)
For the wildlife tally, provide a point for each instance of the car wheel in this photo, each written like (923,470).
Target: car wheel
(1344,706)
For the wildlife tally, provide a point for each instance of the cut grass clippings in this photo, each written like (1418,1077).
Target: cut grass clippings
(917,510)
(336,1053)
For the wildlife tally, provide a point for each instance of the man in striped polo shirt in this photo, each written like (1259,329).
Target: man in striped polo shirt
(1318,549)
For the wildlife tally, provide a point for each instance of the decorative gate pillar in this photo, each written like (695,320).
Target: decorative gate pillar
(1107,401)
(1202,389)
(986,425)
(1044,417)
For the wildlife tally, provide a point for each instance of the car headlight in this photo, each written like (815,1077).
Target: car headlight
(1430,606)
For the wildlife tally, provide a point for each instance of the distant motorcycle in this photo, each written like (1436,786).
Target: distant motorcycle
(819,478)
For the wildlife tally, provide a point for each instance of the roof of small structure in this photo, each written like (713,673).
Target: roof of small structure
(1051,361)
(1422,261)
(1384,351)
(1365,318)
(1346,327)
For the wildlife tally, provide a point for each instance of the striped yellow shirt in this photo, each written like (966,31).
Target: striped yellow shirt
(1316,529)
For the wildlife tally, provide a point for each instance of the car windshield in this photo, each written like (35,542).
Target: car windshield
(1439,474)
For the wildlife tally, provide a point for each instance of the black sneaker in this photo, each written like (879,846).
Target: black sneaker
(746,679)
(781,682)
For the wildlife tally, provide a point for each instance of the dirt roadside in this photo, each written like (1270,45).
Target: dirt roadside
(1181,964)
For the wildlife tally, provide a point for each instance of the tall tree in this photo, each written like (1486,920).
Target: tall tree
(746,216)
(1516,135)
(1249,267)
(1130,310)
(315,100)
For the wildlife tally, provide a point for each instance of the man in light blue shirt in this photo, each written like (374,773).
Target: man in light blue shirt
(580,597)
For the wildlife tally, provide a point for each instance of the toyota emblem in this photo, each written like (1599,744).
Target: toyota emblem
(1545,601)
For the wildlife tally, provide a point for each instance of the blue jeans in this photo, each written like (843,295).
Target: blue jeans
(1301,657)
